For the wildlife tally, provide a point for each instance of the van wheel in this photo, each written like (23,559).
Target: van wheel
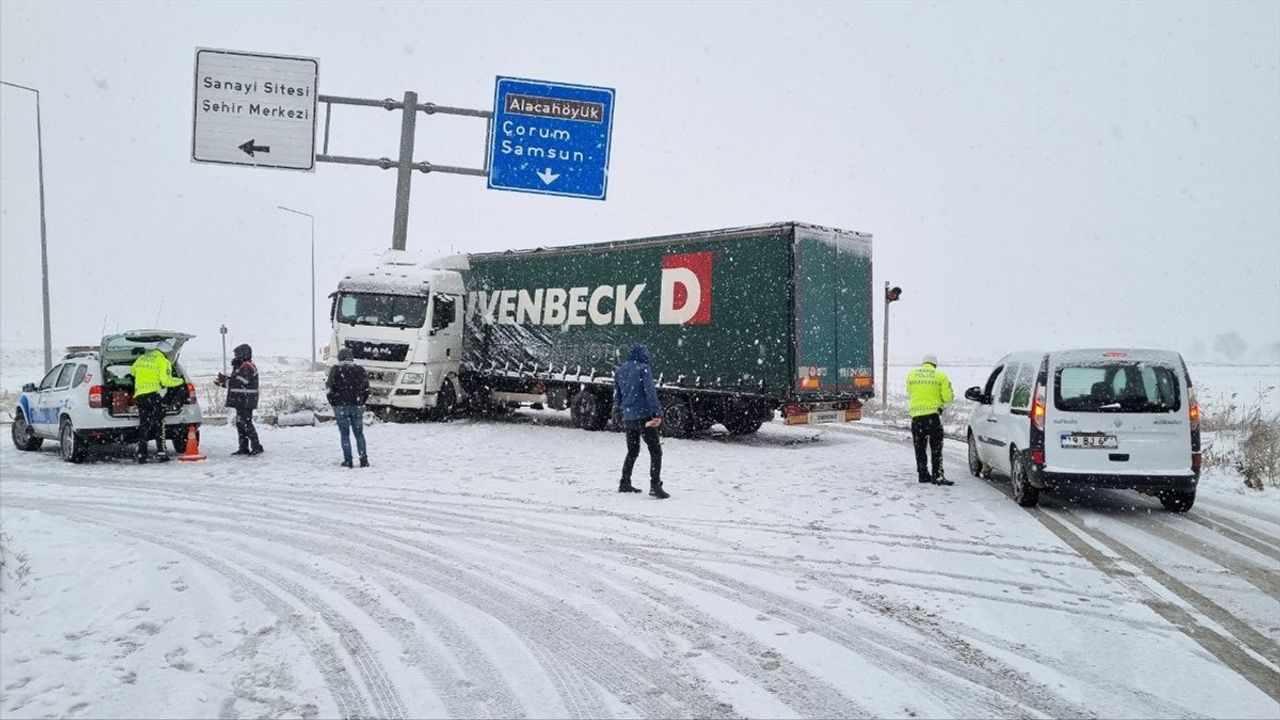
(976,466)
(1024,493)
(588,410)
(72,445)
(23,437)
(677,418)
(446,400)
(1178,500)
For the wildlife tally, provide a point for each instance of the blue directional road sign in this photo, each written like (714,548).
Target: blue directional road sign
(550,138)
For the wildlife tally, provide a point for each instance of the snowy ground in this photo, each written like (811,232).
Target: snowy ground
(488,569)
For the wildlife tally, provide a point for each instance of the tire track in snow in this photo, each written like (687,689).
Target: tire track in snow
(1225,649)
(506,525)
(741,593)
(595,654)
(969,680)
(348,698)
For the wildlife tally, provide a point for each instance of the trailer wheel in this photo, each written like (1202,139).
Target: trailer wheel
(677,419)
(742,425)
(742,418)
(589,411)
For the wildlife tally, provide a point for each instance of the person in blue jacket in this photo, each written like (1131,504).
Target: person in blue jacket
(636,397)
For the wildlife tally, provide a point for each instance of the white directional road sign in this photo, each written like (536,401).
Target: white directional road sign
(254,109)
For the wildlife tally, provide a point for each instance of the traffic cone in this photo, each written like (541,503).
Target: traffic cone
(192,451)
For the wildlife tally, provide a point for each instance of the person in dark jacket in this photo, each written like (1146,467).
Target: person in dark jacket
(242,396)
(348,387)
(634,394)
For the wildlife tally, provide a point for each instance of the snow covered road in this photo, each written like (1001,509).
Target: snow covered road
(487,568)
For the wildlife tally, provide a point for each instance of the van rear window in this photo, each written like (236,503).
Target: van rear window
(1117,387)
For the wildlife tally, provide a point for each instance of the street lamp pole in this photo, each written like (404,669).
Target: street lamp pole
(313,278)
(891,295)
(44,244)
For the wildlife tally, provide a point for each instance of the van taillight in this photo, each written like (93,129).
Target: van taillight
(1037,458)
(191,393)
(1195,462)
(1193,410)
(1037,408)
(95,396)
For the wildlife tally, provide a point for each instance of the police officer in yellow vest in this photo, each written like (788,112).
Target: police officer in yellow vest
(152,372)
(928,389)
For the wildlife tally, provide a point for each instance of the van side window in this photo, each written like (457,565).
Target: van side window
(81,371)
(1006,384)
(64,377)
(991,381)
(1022,386)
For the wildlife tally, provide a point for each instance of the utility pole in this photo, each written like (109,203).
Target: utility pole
(890,295)
(405,166)
(223,330)
(44,245)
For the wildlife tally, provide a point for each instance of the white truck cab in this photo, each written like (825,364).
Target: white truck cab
(402,321)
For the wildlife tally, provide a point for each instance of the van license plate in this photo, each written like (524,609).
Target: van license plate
(1089,441)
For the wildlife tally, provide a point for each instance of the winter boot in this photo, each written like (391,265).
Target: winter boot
(241,451)
(364,462)
(346,463)
(942,480)
(625,486)
(655,489)
(256,451)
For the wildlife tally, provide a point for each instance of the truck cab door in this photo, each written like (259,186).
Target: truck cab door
(444,346)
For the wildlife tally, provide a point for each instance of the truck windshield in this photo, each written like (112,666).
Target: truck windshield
(382,310)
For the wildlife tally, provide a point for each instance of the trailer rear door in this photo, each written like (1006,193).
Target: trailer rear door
(833,313)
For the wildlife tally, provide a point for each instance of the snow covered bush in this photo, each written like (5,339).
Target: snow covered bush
(14,566)
(1243,437)
(292,403)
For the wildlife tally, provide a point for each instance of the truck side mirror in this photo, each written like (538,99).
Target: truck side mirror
(975,394)
(29,387)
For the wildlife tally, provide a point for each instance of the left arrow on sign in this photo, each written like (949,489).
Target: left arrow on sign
(249,148)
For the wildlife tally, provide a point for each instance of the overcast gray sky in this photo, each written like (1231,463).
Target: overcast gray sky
(1034,174)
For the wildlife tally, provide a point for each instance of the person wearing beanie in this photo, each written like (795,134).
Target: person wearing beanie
(153,373)
(928,389)
(348,387)
(242,396)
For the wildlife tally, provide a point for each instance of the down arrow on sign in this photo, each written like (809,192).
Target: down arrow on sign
(547,176)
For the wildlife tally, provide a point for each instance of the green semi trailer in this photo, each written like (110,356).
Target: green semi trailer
(740,323)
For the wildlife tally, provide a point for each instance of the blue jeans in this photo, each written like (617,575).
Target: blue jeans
(350,417)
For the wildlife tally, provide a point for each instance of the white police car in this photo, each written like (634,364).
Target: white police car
(87,398)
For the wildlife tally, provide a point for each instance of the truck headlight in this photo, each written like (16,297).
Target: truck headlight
(414,375)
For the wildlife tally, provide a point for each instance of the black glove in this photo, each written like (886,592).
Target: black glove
(221,380)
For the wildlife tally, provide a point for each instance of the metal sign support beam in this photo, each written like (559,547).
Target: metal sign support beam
(405,166)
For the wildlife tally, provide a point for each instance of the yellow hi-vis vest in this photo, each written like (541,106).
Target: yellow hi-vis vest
(151,372)
(928,389)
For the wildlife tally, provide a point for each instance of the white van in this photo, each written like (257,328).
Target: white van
(1123,419)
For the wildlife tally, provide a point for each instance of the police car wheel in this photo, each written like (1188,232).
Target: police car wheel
(72,446)
(23,437)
